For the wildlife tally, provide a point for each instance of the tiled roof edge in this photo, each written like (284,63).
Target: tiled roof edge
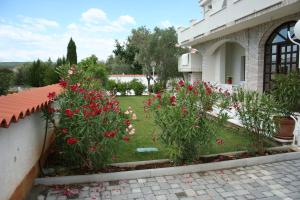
(19,105)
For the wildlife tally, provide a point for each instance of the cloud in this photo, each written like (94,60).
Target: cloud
(30,38)
(126,19)
(72,26)
(38,23)
(165,24)
(93,15)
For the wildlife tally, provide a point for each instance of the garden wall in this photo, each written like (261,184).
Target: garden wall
(20,149)
(125,78)
(22,131)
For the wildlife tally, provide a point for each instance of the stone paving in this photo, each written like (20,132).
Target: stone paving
(269,182)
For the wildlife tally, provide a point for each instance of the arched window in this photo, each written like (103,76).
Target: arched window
(281,55)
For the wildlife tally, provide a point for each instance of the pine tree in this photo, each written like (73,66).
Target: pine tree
(71,52)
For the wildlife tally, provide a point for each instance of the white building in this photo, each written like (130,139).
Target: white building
(242,39)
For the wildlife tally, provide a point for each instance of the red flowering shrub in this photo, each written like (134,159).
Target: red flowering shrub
(91,122)
(183,118)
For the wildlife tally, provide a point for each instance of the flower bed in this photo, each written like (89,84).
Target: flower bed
(94,129)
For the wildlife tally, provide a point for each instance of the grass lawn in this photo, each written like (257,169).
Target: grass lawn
(234,139)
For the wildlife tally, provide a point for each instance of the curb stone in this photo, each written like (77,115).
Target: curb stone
(167,171)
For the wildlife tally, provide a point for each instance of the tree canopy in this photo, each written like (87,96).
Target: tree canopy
(147,49)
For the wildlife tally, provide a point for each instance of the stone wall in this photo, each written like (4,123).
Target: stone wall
(253,41)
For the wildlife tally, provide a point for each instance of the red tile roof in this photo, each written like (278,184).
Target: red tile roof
(18,105)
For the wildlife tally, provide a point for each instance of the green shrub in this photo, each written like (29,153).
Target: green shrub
(50,76)
(6,80)
(183,119)
(122,88)
(111,86)
(94,69)
(158,87)
(137,87)
(92,124)
(256,112)
(22,75)
(287,93)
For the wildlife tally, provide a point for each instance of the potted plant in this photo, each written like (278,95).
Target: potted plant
(286,92)
(229,80)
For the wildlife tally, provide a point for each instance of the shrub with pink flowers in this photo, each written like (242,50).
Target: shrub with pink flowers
(182,116)
(91,125)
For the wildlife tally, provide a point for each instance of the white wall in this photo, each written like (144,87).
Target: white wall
(235,10)
(224,62)
(190,62)
(20,149)
(129,78)
(214,70)
(234,53)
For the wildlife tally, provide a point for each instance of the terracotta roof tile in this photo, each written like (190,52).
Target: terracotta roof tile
(18,105)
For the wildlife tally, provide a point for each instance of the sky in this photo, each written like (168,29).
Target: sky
(32,29)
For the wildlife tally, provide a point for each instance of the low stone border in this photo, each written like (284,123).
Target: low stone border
(137,163)
(167,171)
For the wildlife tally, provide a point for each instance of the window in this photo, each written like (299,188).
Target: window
(281,55)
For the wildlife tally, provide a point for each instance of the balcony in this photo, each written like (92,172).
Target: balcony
(238,15)
(190,62)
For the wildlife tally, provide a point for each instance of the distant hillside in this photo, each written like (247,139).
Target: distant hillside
(11,65)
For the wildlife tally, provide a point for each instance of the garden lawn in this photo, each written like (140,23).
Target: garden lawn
(234,139)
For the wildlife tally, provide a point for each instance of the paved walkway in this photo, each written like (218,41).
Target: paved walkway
(268,182)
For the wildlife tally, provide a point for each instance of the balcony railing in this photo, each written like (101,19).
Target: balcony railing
(224,17)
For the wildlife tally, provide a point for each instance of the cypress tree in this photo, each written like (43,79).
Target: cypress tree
(71,52)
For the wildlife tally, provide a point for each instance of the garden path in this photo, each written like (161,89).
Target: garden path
(269,182)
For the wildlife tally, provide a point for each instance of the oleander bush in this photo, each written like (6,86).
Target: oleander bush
(256,112)
(182,116)
(92,125)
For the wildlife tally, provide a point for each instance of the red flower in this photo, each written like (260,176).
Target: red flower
(76,110)
(125,138)
(208,91)
(51,110)
(69,112)
(190,87)
(63,83)
(158,106)
(172,100)
(195,92)
(127,122)
(158,95)
(64,130)
(74,87)
(149,102)
(51,95)
(219,141)
(181,83)
(110,134)
(72,140)
(81,90)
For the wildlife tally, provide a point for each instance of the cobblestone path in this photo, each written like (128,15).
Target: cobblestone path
(269,182)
